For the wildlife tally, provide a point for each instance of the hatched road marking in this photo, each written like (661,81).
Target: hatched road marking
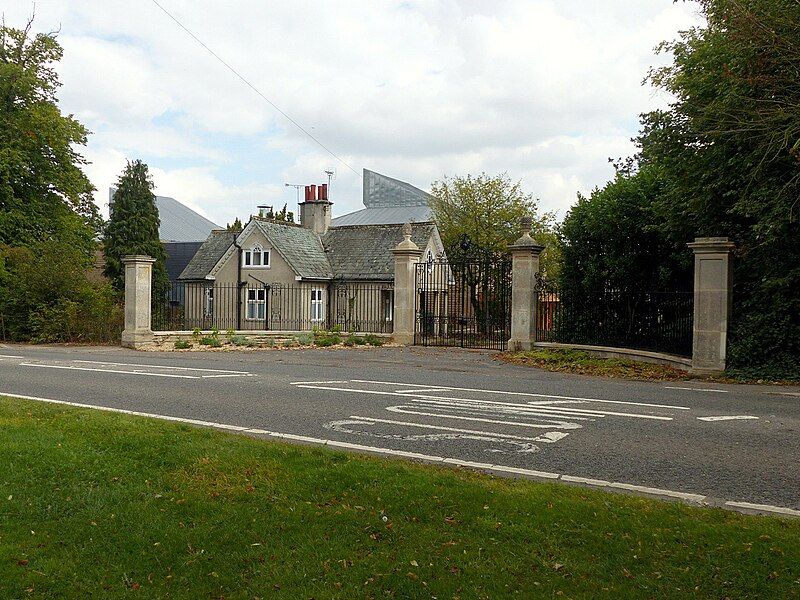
(559,415)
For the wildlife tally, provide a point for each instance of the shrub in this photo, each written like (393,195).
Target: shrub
(358,340)
(238,340)
(214,342)
(349,341)
(230,334)
(46,295)
(196,333)
(183,345)
(305,339)
(373,340)
(331,339)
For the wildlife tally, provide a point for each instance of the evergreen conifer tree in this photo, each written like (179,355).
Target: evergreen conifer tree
(133,228)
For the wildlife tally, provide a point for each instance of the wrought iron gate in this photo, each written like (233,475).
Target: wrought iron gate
(463,304)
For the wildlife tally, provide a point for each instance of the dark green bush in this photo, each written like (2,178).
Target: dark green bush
(47,295)
(373,340)
(182,345)
(211,341)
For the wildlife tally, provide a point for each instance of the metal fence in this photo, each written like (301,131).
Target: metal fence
(363,307)
(658,321)
(463,304)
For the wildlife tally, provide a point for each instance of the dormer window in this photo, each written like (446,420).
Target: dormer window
(256,257)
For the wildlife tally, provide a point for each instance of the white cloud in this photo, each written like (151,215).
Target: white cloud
(541,89)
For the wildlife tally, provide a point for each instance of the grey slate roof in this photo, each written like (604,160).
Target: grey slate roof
(395,215)
(388,201)
(300,247)
(366,252)
(208,255)
(179,223)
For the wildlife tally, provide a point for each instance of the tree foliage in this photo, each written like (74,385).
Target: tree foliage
(133,227)
(722,160)
(44,194)
(613,239)
(48,221)
(236,225)
(479,216)
(47,295)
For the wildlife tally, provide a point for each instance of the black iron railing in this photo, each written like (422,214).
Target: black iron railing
(659,321)
(363,307)
(464,304)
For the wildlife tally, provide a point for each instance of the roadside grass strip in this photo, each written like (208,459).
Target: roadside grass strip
(104,504)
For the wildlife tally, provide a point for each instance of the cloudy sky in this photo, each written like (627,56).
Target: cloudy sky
(546,90)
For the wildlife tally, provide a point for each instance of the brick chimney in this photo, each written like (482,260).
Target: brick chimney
(315,212)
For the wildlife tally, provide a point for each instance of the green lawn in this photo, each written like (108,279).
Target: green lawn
(105,505)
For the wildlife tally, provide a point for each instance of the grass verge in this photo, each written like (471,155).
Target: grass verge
(105,505)
(583,363)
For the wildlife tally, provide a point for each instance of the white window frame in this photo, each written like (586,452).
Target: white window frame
(208,305)
(317,305)
(263,257)
(258,304)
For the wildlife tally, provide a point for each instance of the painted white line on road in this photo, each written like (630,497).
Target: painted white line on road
(69,368)
(765,508)
(227,375)
(728,418)
(118,364)
(694,389)
(549,439)
(462,389)
(315,382)
(419,391)
(11,356)
(545,424)
(537,410)
(649,491)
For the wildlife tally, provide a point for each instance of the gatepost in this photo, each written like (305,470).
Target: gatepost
(712,304)
(138,282)
(406,257)
(525,255)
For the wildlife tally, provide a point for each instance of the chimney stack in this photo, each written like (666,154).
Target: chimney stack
(315,212)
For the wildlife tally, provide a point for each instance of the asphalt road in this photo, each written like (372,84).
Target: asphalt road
(727,442)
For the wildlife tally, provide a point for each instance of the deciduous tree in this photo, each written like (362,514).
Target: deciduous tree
(44,194)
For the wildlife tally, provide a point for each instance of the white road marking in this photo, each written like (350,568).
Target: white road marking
(418,391)
(601,484)
(351,426)
(139,370)
(544,424)
(728,418)
(70,368)
(549,437)
(117,364)
(530,394)
(694,389)
(227,375)
(11,356)
(540,408)
(554,409)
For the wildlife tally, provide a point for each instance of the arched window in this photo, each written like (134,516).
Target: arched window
(256,257)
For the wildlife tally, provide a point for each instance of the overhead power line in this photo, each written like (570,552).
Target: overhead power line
(255,89)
